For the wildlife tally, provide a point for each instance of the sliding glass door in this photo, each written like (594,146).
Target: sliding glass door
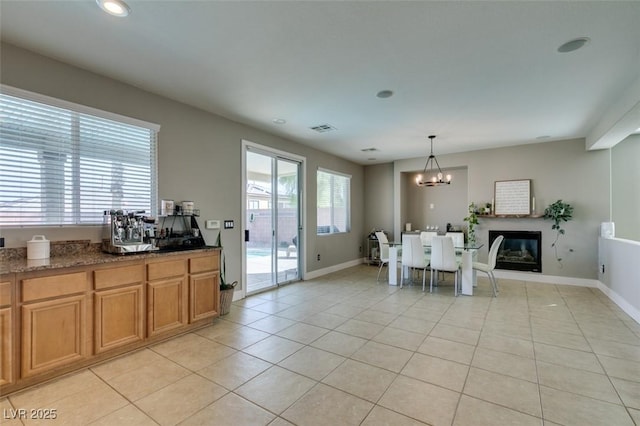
(272,228)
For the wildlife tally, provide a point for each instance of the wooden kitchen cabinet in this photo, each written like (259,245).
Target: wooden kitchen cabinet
(57,320)
(7,364)
(54,322)
(118,306)
(204,287)
(167,291)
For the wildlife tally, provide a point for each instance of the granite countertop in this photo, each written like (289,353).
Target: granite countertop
(65,254)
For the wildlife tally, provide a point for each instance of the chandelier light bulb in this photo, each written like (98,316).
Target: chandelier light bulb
(448,178)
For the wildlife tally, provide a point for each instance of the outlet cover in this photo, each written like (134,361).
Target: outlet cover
(212,224)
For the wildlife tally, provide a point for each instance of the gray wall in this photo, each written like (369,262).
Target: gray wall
(199,156)
(449,202)
(625,182)
(378,192)
(558,170)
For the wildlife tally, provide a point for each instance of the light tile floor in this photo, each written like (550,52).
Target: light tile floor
(347,350)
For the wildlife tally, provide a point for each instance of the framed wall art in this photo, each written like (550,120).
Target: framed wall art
(512,197)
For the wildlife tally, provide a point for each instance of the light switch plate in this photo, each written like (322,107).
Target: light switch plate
(228,224)
(212,224)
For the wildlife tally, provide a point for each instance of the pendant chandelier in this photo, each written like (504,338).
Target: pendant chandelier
(433,178)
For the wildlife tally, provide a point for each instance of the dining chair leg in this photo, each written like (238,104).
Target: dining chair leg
(455,284)
(431,281)
(380,270)
(492,278)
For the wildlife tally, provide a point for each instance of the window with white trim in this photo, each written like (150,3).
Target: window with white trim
(64,164)
(333,200)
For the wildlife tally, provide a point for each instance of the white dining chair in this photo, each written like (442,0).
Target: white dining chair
(458,240)
(383,245)
(426,236)
(443,259)
(413,257)
(488,267)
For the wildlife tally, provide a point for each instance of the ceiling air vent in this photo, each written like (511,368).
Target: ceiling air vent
(323,128)
(369,149)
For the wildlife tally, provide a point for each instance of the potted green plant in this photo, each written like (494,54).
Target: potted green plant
(226,290)
(472,220)
(558,212)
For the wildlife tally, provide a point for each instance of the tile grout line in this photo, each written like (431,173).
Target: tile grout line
(535,359)
(622,403)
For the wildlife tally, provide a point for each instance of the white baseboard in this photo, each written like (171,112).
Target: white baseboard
(324,271)
(546,279)
(622,304)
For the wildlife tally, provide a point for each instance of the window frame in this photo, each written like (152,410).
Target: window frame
(347,208)
(74,216)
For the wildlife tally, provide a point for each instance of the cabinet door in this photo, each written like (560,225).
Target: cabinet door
(6,333)
(204,291)
(53,334)
(6,351)
(118,317)
(166,305)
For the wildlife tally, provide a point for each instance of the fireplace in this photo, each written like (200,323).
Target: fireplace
(520,250)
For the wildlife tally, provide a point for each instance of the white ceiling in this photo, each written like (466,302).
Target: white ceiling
(477,74)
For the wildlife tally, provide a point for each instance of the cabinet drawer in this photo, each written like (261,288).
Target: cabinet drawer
(166,269)
(53,286)
(111,277)
(204,263)
(5,294)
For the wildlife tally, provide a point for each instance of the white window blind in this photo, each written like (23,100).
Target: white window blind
(334,199)
(60,166)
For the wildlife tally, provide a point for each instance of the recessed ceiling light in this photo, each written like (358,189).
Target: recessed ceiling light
(383,94)
(574,44)
(279,121)
(114,7)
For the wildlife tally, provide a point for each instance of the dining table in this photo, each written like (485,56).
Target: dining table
(466,253)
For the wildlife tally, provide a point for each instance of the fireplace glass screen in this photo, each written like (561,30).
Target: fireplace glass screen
(520,250)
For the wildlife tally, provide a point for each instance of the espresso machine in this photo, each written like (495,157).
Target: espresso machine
(128,232)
